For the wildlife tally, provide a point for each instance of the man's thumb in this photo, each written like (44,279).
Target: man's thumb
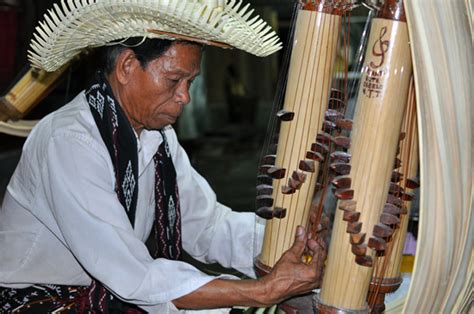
(300,240)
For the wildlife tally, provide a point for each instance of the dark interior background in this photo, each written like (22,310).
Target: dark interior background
(221,130)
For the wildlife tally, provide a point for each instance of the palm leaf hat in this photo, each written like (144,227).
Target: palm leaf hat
(74,25)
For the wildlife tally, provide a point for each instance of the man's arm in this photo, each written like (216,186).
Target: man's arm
(289,277)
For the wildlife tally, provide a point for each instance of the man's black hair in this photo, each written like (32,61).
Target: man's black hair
(145,51)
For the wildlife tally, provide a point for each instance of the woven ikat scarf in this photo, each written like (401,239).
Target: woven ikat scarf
(121,143)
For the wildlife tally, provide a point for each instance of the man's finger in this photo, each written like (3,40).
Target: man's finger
(322,243)
(319,249)
(313,245)
(317,243)
(300,241)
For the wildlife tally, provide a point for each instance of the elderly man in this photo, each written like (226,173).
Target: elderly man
(100,175)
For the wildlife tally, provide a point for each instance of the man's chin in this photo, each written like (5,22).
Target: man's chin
(171,121)
(159,126)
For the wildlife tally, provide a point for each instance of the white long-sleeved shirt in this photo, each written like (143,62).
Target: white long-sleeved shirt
(61,221)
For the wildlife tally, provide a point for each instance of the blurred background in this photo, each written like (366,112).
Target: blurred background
(224,126)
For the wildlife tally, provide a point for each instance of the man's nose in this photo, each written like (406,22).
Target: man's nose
(182,93)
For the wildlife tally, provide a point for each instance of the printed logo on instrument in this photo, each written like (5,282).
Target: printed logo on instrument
(372,85)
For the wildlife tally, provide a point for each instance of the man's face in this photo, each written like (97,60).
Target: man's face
(156,95)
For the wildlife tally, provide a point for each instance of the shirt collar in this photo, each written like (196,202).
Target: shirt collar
(147,145)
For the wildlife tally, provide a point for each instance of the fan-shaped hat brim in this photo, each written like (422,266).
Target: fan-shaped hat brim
(74,25)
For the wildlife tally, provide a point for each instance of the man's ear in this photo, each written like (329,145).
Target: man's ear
(125,65)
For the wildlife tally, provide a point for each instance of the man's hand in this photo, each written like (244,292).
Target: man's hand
(298,271)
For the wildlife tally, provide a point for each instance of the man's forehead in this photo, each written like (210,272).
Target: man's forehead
(181,58)
(178,70)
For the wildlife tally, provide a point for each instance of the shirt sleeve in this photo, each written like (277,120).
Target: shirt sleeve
(211,231)
(79,184)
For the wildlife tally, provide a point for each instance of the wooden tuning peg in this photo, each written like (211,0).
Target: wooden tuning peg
(333,115)
(395,189)
(354,227)
(389,219)
(264,179)
(382,231)
(344,194)
(397,164)
(294,184)
(391,209)
(314,156)
(349,205)
(339,156)
(340,168)
(285,115)
(320,148)
(402,136)
(264,169)
(365,260)
(264,189)
(413,183)
(342,182)
(276,172)
(395,200)
(343,141)
(265,212)
(396,176)
(328,126)
(336,104)
(299,176)
(377,244)
(264,201)
(269,159)
(359,249)
(357,238)
(324,138)
(408,196)
(307,165)
(279,212)
(285,189)
(351,216)
(344,124)
(336,93)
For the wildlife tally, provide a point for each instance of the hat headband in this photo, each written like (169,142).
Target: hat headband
(76,24)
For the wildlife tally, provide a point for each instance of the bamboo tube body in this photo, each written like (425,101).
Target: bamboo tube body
(377,123)
(28,92)
(409,156)
(307,94)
